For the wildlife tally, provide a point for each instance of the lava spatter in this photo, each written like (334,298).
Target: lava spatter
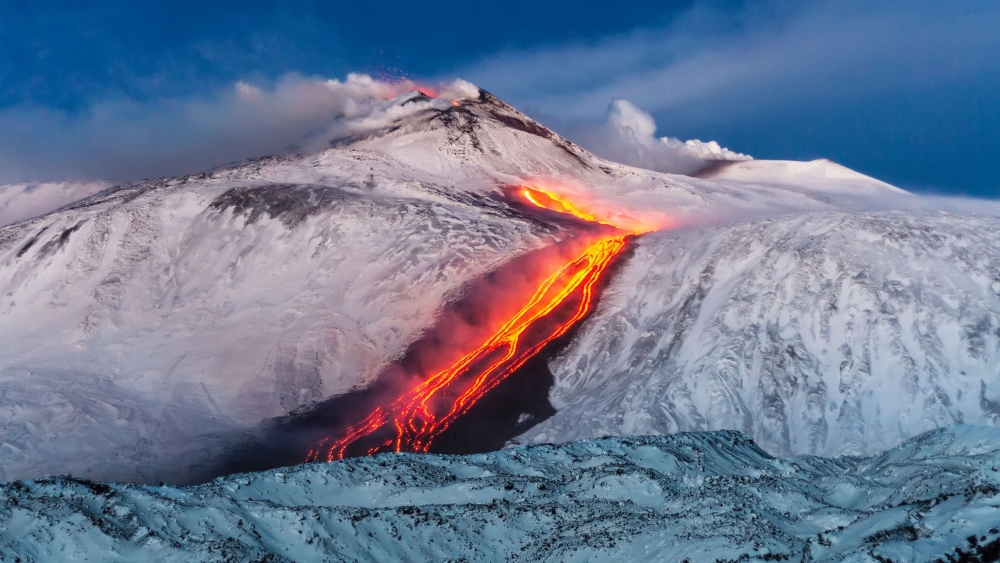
(415,419)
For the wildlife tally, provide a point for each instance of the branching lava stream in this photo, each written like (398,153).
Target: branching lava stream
(415,419)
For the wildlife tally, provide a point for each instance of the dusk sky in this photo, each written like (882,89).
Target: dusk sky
(907,92)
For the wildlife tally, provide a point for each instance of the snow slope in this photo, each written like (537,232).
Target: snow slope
(687,497)
(817,174)
(231,301)
(143,325)
(819,333)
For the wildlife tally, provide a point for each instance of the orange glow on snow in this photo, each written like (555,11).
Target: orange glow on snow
(625,219)
(554,202)
(415,419)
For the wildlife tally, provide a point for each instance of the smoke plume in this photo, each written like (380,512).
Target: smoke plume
(127,140)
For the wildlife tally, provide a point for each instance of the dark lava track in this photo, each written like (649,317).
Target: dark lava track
(508,410)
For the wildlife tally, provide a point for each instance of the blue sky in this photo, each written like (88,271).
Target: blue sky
(907,92)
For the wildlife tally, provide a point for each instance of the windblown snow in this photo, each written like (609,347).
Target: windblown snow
(143,325)
(28,200)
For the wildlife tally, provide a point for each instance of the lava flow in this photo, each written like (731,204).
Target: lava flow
(554,202)
(415,419)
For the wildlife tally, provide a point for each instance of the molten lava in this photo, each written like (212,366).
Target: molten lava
(554,202)
(414,420)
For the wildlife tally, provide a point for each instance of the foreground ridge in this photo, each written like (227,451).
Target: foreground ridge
(693,496)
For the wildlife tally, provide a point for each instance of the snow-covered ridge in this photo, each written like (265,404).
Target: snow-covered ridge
(688,497)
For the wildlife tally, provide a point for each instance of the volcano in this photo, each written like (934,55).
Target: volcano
(148,331)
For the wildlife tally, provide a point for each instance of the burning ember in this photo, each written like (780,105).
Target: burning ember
(414,420)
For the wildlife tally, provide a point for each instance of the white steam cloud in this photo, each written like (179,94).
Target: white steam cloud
(125,139)
(628,136)
(458,89)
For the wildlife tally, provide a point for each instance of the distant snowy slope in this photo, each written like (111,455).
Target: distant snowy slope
(821,333)
(820,173)
(688,497)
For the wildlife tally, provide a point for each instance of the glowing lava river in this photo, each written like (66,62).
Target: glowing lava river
(415,419)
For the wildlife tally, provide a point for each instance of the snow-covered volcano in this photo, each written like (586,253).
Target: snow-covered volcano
(142,326)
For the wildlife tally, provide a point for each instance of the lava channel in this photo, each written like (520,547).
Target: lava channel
(413,421)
